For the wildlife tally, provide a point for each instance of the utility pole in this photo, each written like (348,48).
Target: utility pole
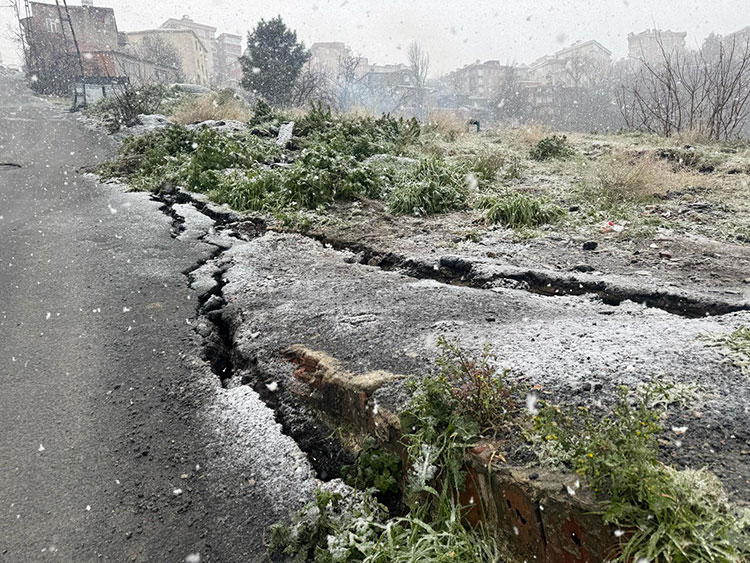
(69,21)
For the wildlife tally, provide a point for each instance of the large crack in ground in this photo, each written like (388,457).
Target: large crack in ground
(317,439)
(456,270)
(218,324)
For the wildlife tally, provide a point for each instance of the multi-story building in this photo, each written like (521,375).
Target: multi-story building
(478,80)
(652,45)
(191,50)
(95,27)
(579,65)
(227,68)
(96,63)
(328,58)
(205,33)
(740,39)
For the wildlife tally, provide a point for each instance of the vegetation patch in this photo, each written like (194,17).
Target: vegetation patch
(662,514)
(221,105)
(553,147)
(437,434)
(518,210)
(431,186)
(737,346)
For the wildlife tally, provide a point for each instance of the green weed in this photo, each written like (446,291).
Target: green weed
(432,186)
(673,516)
(737,347)
(554,147)
(517,210)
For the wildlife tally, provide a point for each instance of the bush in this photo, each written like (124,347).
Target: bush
(677,516)
(374,468)
(517,210)
(556,146)
(431,186)
(124,107)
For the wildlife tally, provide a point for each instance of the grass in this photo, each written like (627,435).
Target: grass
(442,418)
(737,346)
(223,105)
(431,186)
(517,210)
(553,147)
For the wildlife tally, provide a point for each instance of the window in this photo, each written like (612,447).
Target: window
(53,25)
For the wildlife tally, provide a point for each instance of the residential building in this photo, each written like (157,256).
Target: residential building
(576,66)
(193,53)
(651,45)
(95,28)
(205,33)
(326,56)
(478,80)
(740,38)
(53,56)
(227,67)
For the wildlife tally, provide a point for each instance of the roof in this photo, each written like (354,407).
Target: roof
(73,8)
(166,32)
(186,22)
(578,45)
(654,32)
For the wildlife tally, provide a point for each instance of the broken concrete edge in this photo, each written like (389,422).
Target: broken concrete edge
(461,270)
(547,517)
(537,518)
(471,272)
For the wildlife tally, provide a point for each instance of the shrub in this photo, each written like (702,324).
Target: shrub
(678,516)
(374,468)
(431,186)
(554,147)
(517,210)
(124,107)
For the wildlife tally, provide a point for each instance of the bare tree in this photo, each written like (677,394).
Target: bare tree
(160,51)
(704,92)
(347,86)
(419,65)
(312,85)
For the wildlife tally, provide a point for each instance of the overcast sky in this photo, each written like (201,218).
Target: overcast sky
(455,32)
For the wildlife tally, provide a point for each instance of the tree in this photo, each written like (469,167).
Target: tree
(419,65)
(688,92)
(273,62)
(160,51)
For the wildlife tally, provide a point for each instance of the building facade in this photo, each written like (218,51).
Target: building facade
(478,80)
(206,34)
(652,45)
(191,50)
(227,67)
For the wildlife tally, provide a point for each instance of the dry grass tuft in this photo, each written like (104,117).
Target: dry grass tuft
(622,178)
(211,106)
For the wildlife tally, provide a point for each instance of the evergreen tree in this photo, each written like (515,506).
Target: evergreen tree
(273,62)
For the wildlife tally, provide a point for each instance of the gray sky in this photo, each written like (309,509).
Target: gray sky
(455,32)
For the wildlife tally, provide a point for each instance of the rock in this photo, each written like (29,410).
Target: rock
(214,302)
(455,264)
(285,134)
(583,268)
(590,245)
(665,254)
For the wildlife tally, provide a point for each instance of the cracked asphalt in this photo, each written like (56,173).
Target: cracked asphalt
(117,443)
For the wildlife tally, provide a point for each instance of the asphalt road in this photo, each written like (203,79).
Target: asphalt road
(103,447)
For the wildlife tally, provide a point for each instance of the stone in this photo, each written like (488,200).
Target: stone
(590,245)
(285,134)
